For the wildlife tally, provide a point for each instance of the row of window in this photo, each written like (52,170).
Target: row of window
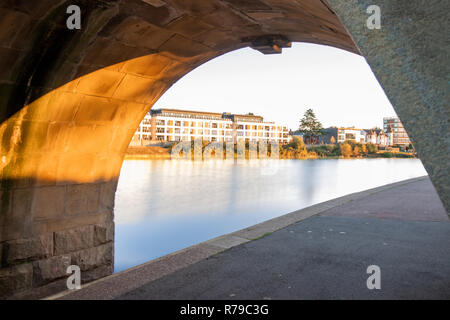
(218,132)
(190,131)
(212,125)
(191,138)
(193,124)
(177,115)
(147,129)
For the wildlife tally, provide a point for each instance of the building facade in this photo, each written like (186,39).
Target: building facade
(351,134)
(167,125)
(339,135)
(394,126)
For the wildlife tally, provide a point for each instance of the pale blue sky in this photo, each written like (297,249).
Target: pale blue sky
(339,86)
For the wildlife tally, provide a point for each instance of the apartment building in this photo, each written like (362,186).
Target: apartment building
(352,134)
(165,125)
(393,126)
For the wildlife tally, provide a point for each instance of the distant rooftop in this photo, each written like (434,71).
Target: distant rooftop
(225,115)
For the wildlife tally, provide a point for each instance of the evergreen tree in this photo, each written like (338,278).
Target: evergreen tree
(309,125)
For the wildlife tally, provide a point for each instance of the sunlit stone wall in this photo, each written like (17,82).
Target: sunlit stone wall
(70,101)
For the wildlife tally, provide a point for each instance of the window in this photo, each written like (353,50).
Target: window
(350,136)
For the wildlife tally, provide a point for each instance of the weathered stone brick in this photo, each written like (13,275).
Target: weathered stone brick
(49,202)
(137,30)
(15,279)
(11,24)
(151,65)
(103,233)
(97,273)
(107,195)
(137,89)
(47,270)
(189,26)
(98,108)
(82,199)
(179,46)
(102,83)
(20,250)
(94,257)
(74,239)
(22,201)
(82,172)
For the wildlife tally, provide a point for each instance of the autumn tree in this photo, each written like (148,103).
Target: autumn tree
(346,150)
(364,149)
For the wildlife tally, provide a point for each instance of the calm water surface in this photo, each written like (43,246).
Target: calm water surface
(164,206)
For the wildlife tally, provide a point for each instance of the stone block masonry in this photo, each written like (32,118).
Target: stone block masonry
(30,263)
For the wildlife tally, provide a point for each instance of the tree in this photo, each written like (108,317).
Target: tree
(364,149)
(332,140)
(346,150)
(372,148)
(295,149)
(298,144)
(309,125)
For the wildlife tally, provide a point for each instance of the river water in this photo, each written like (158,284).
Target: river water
(162,206)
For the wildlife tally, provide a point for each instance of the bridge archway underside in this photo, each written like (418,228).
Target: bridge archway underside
(70,101)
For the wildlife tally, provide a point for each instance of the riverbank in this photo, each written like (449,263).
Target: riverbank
(320,252)
(147,153)
(286,152)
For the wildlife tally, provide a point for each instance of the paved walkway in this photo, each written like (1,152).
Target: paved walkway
(403,228)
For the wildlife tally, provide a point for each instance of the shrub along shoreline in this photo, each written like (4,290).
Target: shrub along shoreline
(296,149)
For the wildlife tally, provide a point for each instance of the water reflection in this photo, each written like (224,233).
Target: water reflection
(163,206)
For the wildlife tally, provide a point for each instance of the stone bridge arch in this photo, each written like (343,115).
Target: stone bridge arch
(70,101)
